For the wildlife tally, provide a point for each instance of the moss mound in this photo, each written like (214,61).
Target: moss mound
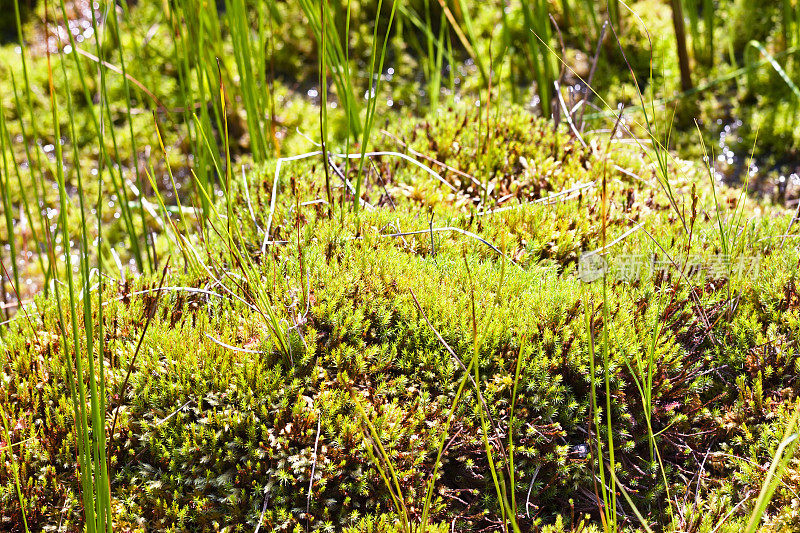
(218,429)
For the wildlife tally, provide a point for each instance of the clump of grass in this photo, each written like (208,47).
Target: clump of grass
(89,426)
(375,72)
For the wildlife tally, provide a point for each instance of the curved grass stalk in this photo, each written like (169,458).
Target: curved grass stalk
(628,499)
(749,60)
(280,161)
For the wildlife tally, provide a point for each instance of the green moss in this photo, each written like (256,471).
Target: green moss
(216,419)
(205,432)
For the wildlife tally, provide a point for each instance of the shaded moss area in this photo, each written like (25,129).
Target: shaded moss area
(217,430)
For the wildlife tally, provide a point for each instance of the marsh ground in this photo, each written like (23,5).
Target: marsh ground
(271,356)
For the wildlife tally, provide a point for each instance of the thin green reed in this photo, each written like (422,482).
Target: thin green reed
(115,170)
(106,115)
(373,89)
(261,299)
(171,177)
(250,88)
(383,463)
(536,20)
(613,14)
(780,460)
(35,179)
(691,11)
(351,133)
(99,388)
(100,484)
(272,20)
(790,23)
(134,152)
(203,44)
(226,143)
(609,521)
(440,450)
(589,7)
(181,52)
(512,424)
(337,59)
(268,14)
(796,27)
(36,170)
(201,28)
(698,11)
(9,162)
(701,12)
(434,51)
(511,49)
(787,13)
(196,31)
(435,84)
(566,13)
(323,107)
(95,490)
(708,18)
(643,374)
(507,511)
(469,30)
(101,120)
(8,206)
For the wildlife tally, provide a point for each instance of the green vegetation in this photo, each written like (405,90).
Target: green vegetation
(399,266)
